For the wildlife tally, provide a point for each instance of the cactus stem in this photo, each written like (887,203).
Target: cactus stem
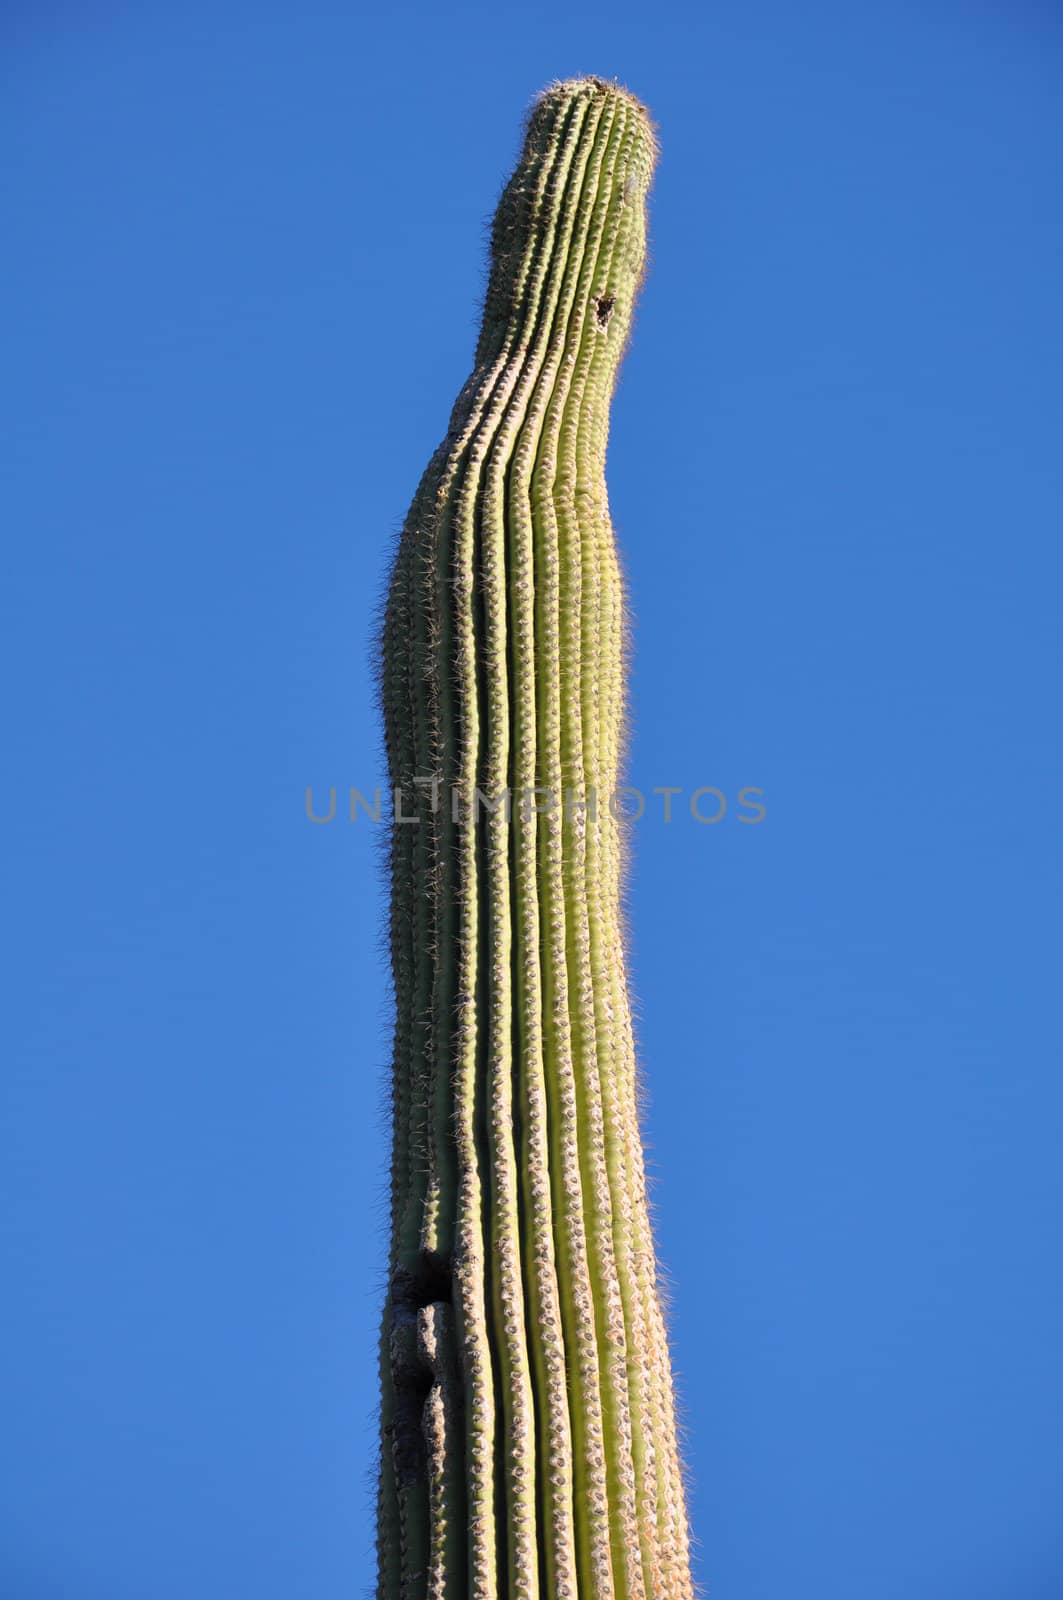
(528,1441)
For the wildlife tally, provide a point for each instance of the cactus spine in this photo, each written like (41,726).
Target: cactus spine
(528,1427)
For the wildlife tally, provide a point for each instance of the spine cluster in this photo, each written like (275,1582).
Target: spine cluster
(528,1426)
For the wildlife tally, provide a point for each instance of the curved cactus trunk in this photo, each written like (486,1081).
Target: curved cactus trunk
(528,1427)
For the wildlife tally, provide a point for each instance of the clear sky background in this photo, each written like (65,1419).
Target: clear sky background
(244,256)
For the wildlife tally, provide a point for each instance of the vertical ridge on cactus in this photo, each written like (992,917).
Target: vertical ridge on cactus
(528,1433)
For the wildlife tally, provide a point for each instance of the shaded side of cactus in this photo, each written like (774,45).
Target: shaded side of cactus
(528,1424)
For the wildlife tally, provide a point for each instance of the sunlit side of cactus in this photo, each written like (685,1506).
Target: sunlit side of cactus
(528,1424)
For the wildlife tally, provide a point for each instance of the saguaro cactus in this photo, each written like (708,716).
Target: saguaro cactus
(528,1427)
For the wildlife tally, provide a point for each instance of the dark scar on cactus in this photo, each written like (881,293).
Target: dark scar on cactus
(422,1359)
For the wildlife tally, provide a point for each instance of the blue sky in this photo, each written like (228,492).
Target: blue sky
(245,254)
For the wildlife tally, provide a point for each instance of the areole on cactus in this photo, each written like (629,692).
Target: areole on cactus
(528,1439)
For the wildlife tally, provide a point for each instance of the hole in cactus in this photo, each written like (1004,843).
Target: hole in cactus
(431,1280)
(604,309)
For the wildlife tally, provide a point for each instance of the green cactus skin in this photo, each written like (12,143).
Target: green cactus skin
(528,1441)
